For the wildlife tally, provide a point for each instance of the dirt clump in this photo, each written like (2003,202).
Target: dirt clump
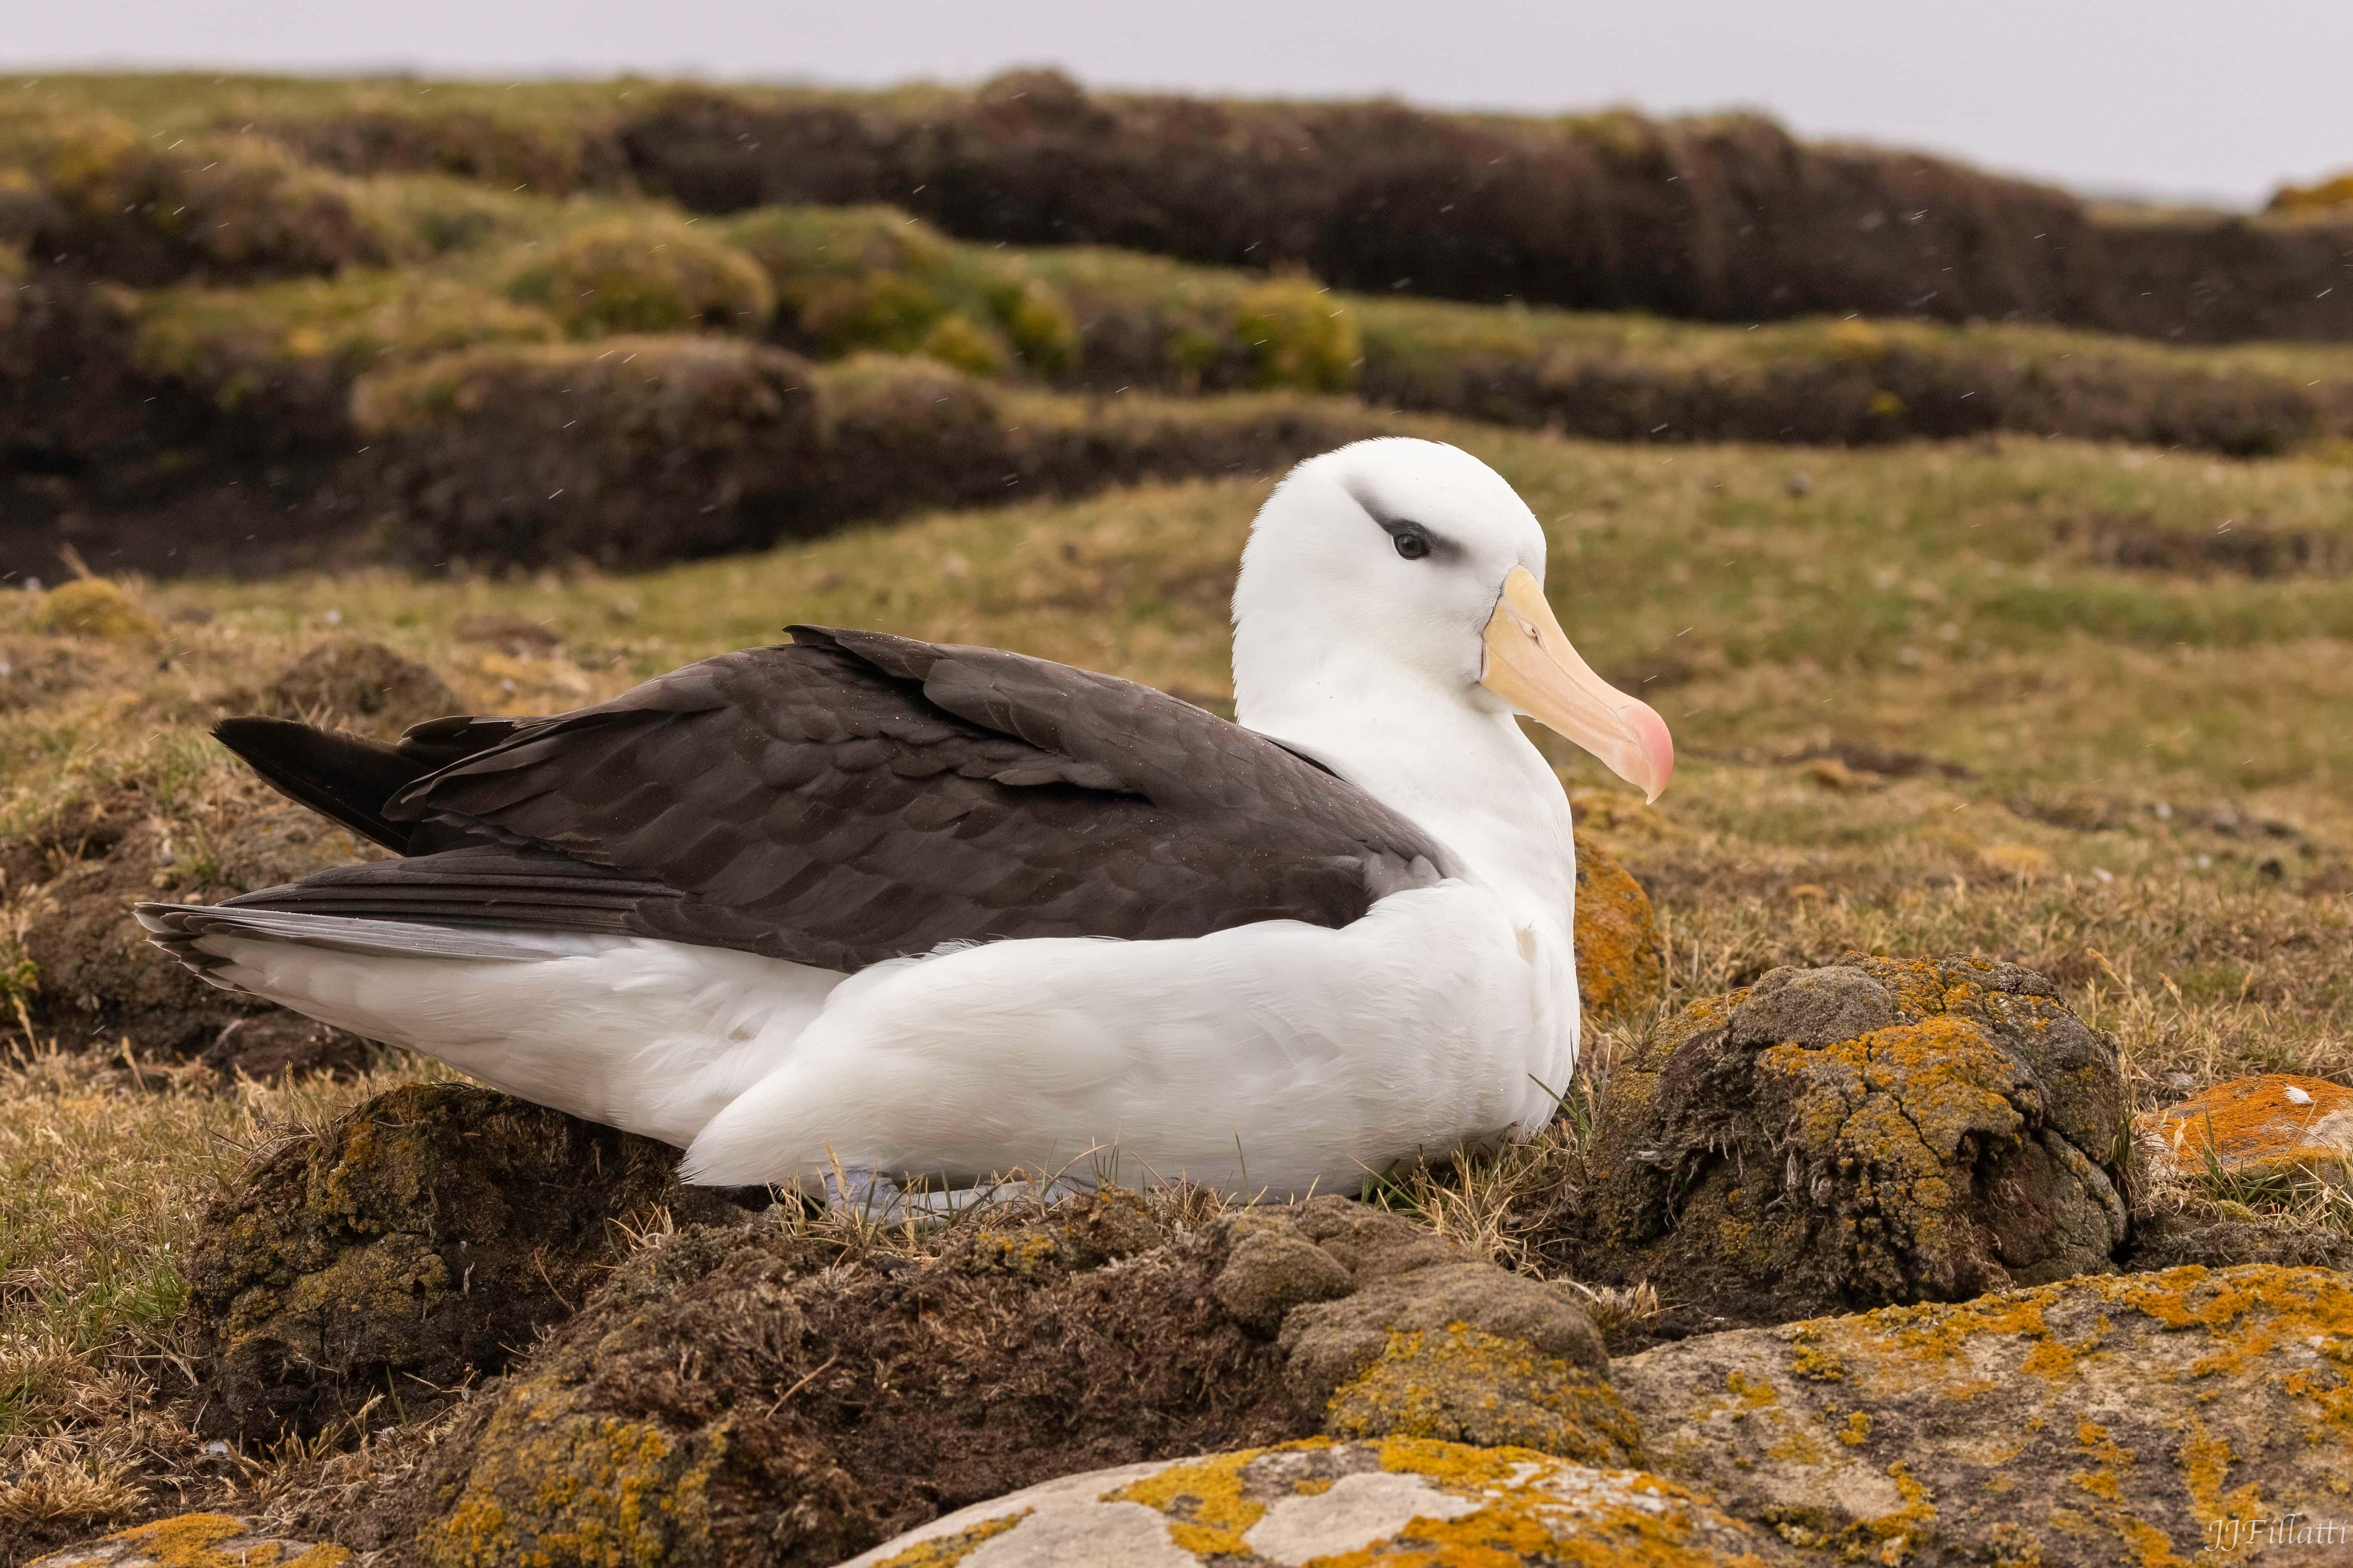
(1874,1130)
(2094,1420)
(82,964)
(351,683)
(413,1247)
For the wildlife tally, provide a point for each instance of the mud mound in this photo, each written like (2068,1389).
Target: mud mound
(348,683)
(1871,1131)
(89,974)
(421,1241)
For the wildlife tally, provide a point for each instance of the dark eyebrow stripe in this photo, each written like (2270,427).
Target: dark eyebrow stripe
(1393,525)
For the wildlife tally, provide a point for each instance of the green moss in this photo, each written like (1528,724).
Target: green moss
(92,607)
(856,279)
(1298,336)
(228,203)
(645,275)
(956,340)
(233,340)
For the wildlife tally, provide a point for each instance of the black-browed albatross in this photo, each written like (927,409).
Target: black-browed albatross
(865,904)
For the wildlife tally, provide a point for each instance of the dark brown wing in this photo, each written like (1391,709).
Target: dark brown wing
(851,797)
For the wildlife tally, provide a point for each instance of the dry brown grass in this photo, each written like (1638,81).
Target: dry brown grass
(2190,736)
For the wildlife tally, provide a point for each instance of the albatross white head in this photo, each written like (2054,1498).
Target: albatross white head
(1390,620)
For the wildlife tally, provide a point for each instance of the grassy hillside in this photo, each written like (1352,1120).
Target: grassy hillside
(1715,217)
(218,357)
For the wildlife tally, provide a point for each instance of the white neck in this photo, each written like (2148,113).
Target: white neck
(1454,766)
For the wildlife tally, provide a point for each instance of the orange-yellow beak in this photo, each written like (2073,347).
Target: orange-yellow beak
(1531,666)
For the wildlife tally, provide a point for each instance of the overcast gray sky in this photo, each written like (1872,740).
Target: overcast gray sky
(2195,99)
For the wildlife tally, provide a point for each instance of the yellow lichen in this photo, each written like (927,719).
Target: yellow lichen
(1207,1510)
(201,1540)
(947,1551)
(1465,1385)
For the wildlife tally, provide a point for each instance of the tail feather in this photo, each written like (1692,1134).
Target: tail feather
(352,779)
(346,777)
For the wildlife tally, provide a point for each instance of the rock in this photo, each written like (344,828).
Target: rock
(2272,1122)
(349,683)
(1462,1351)
(1401,1500)
(1621,966)
(414,1246)
(1872,1132)
(2096,1420)
(195,1541)
(2202,1231)
(1272,1268)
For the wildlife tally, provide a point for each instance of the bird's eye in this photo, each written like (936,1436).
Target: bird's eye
(1411,542)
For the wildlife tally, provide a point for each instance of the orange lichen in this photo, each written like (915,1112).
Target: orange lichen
(2270,1119)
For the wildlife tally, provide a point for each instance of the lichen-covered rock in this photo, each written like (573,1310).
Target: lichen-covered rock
(351,683)
(2270,1123)
(1872,1132)
(422,1241)
(197,1541)
(2098,1420)
(1463,1353)
(1621,966)
(1401,1500)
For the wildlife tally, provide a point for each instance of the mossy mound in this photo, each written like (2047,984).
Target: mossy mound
(1871,1131)
(94,607)
(1621,966)
(2097,1420)
(625,452)
(645,275)
(758,1396)
(1400,1500)
(416,1245)
(222,206)
(852,279)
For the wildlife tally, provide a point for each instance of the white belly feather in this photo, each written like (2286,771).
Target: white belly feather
(1276,1056)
